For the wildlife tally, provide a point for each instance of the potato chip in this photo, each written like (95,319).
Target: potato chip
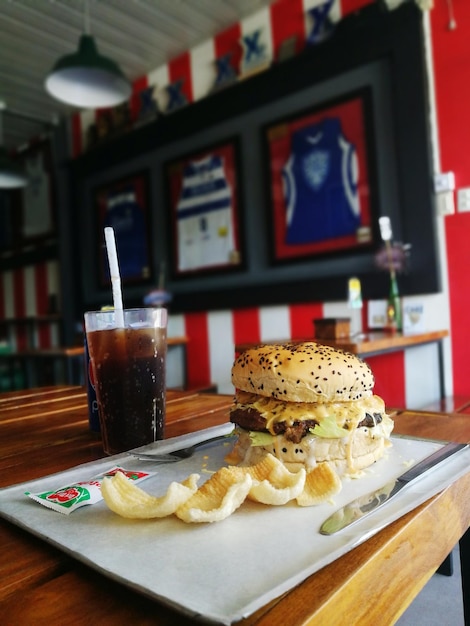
(128,500)
(217,498)
(321,483)
(268,481)
(273,483)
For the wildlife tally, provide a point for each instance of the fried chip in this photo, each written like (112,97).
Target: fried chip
(268,482)
(217,498)
(273,483)
(128,500)
(321,483)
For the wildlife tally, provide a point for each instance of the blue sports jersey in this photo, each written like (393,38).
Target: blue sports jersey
(320,184)
(127,219)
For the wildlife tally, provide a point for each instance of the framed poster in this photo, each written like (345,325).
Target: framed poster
(37,210)
(124,205)
(322,186)
(204,202)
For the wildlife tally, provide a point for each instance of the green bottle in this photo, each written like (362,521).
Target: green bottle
(394,320)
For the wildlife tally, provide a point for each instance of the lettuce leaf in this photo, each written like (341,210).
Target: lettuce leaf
(329,429)
(260,439)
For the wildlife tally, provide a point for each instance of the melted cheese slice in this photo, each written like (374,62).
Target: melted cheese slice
(347,414)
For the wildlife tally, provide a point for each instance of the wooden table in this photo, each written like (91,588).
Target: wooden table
(375,343)
(46,430)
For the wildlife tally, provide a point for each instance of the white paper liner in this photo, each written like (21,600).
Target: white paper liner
(224,571)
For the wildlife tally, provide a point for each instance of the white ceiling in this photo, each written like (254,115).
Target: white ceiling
(139,35)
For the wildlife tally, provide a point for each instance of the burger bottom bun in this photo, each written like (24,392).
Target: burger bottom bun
(346,455)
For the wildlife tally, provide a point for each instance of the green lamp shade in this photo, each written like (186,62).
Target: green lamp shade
(11,174)
(88,80)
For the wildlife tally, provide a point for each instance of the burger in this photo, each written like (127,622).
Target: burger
(306,404)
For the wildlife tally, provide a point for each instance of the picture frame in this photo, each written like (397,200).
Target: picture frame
(35,204)
(322,184)
(204,201)
(124,204)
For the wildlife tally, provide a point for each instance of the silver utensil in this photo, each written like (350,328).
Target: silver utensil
(178,455)
(360,507)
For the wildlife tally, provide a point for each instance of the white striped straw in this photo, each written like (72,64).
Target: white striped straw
(115,276)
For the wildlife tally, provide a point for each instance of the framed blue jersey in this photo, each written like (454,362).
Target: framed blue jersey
(124,205)
(321,177)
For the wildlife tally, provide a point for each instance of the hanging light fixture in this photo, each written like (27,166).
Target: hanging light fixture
(11,173)
(86,79)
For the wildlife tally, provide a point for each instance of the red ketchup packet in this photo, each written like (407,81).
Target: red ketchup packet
(71,497)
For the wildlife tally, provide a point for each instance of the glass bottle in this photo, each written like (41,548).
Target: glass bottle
(394,319)
(355,304)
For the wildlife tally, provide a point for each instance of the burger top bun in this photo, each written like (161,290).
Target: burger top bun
(302,372)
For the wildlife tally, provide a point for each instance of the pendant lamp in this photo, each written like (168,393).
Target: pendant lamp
(86,79)
(11,173)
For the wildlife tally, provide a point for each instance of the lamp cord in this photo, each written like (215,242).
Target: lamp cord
(2,108)
(87,18)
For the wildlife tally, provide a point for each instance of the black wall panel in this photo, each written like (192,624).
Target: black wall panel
(375,49)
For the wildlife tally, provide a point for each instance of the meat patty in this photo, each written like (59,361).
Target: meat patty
(251,419)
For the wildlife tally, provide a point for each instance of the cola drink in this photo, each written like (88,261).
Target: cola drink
(129,367)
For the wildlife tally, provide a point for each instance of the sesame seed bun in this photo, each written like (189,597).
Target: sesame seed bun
(303,372)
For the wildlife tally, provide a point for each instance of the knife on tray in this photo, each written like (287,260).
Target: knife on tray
(360,507)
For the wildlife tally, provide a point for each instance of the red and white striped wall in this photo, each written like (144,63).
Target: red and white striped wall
(403,379)
(25,293)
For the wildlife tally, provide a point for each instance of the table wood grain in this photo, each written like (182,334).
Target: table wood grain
(46,430)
